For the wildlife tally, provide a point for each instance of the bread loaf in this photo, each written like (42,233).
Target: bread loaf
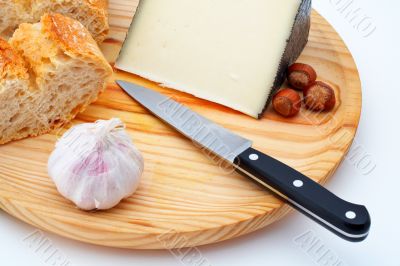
(49,72)
(91,13)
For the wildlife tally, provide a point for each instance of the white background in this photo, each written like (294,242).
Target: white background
(378,59)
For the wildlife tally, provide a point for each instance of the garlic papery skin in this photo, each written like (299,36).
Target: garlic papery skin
(96,165)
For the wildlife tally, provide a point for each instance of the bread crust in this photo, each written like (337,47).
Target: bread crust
(93,14)
(35,62)
(11,63)
(73,37)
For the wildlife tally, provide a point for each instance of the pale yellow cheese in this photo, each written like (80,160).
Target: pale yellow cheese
(225,51)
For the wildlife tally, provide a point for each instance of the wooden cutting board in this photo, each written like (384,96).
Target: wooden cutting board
(185,199)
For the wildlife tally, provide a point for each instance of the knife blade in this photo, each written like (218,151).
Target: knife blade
(347,220)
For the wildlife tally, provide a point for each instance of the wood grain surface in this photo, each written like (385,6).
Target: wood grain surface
(186,198)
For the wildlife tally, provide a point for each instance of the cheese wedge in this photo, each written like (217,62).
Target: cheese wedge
(234,53)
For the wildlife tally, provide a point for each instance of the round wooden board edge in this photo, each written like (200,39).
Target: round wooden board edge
(191,238)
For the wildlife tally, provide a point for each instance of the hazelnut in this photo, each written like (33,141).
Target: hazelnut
(319,96)
(301,75)
(287,102)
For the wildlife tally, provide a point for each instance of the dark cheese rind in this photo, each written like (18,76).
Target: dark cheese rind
(295,45)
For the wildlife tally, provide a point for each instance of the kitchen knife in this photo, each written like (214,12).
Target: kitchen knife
(347,220)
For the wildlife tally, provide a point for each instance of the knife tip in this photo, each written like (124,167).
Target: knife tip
(119,82)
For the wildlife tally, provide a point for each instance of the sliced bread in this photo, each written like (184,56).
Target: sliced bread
(91,13)
(50,71)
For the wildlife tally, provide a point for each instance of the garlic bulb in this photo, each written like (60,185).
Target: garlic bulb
(96,165)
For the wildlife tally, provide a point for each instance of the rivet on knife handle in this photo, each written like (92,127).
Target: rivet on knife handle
(347,220)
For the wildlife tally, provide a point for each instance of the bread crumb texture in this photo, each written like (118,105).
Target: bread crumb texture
(50,71)
(93,14)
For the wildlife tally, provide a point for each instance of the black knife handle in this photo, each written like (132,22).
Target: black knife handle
(347,220)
